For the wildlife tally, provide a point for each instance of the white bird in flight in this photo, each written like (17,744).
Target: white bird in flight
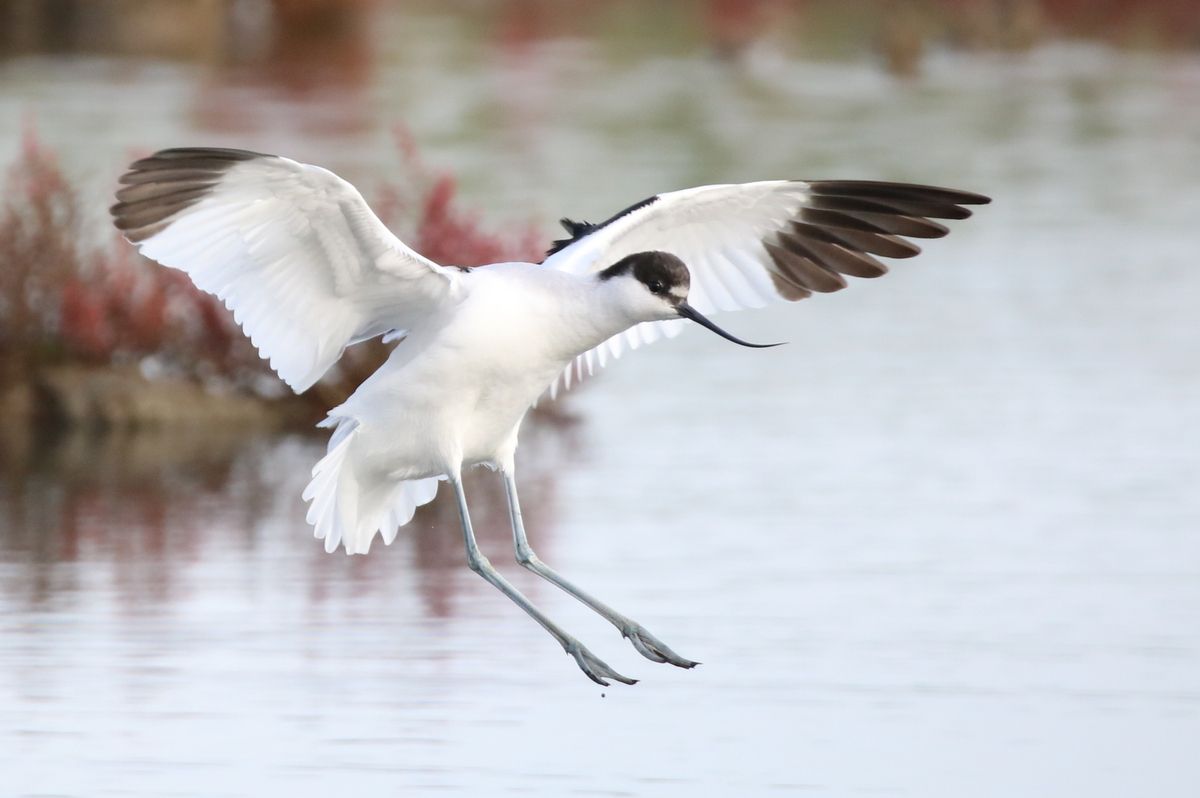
(307,269)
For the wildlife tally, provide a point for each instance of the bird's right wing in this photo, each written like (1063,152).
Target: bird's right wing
(749,244)
(292,249)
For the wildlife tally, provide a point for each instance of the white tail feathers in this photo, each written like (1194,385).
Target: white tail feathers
(350,509)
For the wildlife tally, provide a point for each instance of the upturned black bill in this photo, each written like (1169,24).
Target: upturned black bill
(689,312)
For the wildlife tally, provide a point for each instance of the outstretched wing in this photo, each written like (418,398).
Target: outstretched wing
(292,249)
(753,243)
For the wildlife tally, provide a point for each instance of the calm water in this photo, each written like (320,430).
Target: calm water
(946,543)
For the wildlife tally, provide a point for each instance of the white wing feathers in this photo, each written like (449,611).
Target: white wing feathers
(293,250)
(710,228)
(749,244)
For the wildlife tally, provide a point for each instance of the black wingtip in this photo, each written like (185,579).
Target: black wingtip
(885,190)
(159,186)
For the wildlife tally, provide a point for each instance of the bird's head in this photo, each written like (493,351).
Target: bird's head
(653,286)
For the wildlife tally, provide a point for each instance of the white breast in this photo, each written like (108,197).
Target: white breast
(456,391)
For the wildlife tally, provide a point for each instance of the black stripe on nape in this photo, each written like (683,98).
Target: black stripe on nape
(167,182)
(581,230)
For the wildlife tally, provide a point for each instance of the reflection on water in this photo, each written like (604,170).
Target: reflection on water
(945,543)
(134,502)
(136,510)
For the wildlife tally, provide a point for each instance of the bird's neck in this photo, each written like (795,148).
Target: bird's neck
(591,314)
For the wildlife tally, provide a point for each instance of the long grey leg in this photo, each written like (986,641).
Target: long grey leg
(647,644)
(595,668)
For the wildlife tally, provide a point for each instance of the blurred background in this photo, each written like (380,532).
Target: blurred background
(946,543)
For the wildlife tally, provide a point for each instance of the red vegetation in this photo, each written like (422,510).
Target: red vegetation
(64,301)
(447,233)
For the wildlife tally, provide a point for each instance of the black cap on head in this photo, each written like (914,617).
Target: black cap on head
(664,275)
(661,272)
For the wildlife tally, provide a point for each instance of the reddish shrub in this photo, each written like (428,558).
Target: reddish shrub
(65,301)
(446,232)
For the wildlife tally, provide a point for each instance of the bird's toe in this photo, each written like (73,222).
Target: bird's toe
(595,668)
(654,649)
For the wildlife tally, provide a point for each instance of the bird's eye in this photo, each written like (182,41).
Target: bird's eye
(657,287)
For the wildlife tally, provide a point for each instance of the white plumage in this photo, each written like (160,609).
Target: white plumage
(307,269)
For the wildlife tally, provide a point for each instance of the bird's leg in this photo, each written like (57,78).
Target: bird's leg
(595,668)
(647,644)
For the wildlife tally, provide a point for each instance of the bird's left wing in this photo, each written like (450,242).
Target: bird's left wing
(292,249)
(750,244)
